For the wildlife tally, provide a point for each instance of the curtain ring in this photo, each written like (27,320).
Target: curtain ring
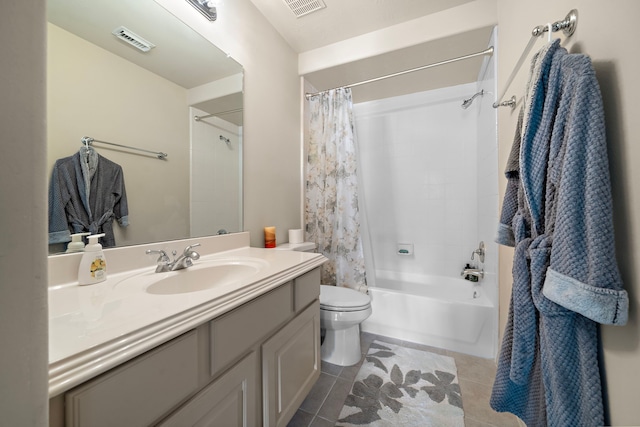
(550,29)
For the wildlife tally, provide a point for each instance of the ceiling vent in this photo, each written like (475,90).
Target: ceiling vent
(304,7)
(133,39)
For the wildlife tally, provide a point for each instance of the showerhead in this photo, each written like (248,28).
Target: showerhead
(467,102)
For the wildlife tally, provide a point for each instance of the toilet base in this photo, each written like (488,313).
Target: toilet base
(342,347)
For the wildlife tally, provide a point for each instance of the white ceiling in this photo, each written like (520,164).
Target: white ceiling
(344,19)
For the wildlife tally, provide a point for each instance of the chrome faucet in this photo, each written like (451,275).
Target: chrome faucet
(183,261)
(163,260)
(186,259)
(472,272)
(480,251)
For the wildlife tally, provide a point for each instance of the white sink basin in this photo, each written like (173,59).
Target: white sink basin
(203,275)
(200,278)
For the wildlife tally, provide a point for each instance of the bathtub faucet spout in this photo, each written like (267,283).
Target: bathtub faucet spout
(474,272)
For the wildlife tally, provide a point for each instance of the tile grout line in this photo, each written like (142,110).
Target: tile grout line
(315,415)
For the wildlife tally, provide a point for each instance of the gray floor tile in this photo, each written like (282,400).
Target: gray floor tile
(349,372)
(321,422)
(335,401)
(330,368)
(318,393)
(423,347)
(301,419)
(366,339)
(390,340)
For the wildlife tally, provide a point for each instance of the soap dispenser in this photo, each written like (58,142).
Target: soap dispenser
(76,245)
(93,266)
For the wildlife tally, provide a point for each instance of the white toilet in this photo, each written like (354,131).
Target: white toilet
(341,312)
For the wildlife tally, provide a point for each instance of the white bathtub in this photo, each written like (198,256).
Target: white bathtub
(442,312)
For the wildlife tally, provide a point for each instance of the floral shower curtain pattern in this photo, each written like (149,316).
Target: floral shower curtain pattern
(331,202)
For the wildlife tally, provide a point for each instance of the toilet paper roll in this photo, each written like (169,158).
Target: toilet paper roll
(296,236)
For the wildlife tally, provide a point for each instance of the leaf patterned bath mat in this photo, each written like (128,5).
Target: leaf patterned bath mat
(399,386)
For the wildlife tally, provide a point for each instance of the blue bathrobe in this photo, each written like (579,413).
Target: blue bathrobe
(86,194)
(557,214)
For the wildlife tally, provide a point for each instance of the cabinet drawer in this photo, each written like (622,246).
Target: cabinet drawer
(235,332)
(306,289)
(140,391)
(229,401)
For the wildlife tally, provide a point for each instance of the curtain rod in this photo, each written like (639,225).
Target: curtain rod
(488,51)
(87,141)
(567,25)
(221,113)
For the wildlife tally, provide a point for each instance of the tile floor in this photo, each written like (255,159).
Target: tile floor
(475,375)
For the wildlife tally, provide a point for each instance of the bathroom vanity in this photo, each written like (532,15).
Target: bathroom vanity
(242,352)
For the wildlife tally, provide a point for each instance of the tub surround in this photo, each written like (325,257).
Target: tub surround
(98,327)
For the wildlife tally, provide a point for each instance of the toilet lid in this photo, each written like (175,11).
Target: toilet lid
(336,297)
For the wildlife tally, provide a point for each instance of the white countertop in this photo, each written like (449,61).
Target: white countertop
(97,327)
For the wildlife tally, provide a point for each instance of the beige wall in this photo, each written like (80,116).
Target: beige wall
(23,204)
(608,32)
(93,92)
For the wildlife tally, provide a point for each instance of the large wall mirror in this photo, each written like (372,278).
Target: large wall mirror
(101,86)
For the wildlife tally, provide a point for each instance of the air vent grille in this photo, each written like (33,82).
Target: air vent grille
(133,39)
(304,7)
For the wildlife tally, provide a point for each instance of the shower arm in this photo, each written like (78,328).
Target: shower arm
(467,102)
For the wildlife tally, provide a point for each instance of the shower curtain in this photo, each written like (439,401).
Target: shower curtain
(332,215)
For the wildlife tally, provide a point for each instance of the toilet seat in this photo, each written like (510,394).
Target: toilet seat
(334,298)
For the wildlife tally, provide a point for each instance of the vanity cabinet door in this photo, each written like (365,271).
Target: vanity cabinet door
(234,333)
(290,366)
(229,401)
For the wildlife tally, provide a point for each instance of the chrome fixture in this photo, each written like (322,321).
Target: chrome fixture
(568,26)
(467,102)
(206,7)
(480,251)
(472,272)
(511,102)
(87,141)
(221,113)
(183,261)
(163,260)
